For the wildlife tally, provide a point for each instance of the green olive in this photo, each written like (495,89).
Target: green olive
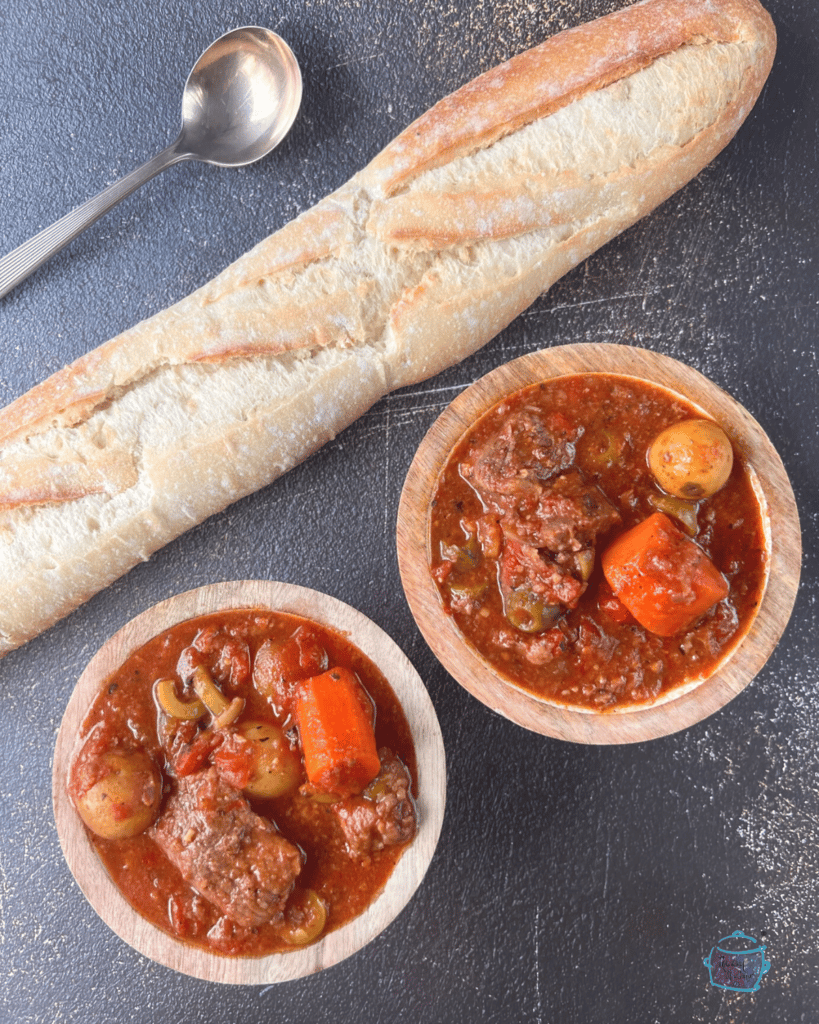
(529,612)
(276,765)
(166,697)
(470,554)
(378,788)
(305,917)
(685,512)
(466,591)
(604,449)
(692,459)
(465,557)
(584,560)
(125,801)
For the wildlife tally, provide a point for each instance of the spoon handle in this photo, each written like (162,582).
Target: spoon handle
(21,262)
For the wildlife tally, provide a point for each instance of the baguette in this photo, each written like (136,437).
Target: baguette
(422,257)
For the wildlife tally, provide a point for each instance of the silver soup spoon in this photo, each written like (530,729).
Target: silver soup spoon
(239,102)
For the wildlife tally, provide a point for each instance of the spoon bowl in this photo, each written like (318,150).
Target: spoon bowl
(241,98)
(239,102)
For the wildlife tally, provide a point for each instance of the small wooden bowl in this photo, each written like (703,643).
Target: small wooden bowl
(94,880)
(682,706)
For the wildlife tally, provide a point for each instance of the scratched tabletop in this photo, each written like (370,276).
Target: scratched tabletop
(571,883)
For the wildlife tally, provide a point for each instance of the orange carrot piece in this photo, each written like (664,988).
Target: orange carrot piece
(662,576)
(336,733)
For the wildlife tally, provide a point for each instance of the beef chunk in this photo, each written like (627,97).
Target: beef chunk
(384,817)
(525,569)
(539,559)
(237,860)
(542,516)
(566,514)
(525,475)
(561,514)
(531,446)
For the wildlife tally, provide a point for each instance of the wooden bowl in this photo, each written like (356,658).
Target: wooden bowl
(94,880)
(680,707)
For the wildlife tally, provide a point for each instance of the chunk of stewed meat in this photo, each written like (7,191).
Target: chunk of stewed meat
(564,513)
(233,857)
(542,516)
(526,570)
(531,446)
(384,815)
(524,473)
(225,656)
(568,515)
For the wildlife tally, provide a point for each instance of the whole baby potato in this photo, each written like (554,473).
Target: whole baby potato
(276,765)
(125,800)
(691,459)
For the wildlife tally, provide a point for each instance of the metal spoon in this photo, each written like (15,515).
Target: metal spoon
(239,102)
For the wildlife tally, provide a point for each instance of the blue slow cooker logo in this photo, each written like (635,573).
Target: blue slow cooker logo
(737,963)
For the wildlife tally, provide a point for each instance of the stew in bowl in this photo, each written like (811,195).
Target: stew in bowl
(248,780)
(590,534)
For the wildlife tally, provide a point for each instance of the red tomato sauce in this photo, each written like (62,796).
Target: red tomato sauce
(126,716)
(528,500)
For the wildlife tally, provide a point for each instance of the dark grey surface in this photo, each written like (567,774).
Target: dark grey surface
(570,883)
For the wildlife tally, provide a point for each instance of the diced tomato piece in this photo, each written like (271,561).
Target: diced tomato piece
(195,756)
(611,605)
(234,760)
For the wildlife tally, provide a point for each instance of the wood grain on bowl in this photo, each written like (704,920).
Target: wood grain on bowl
(106,898)
(679,707)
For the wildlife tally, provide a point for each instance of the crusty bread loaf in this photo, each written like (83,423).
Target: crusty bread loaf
(451,231)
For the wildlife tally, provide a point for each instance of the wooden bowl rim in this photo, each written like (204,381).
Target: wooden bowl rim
(105,897)
(681,708)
